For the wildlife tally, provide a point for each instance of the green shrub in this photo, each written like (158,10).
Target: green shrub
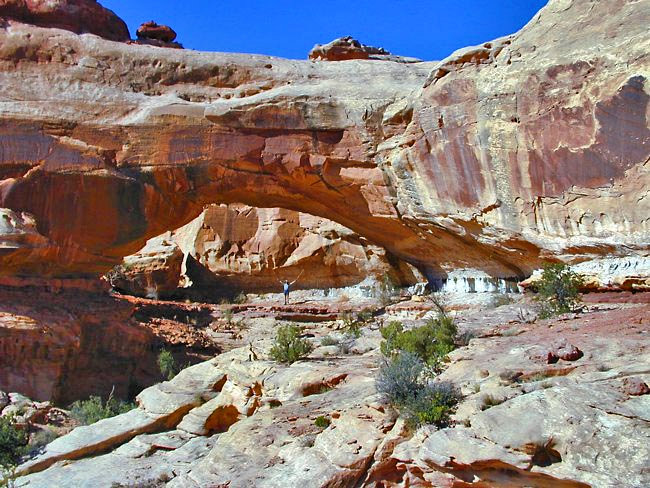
(328,341)
(558,290)
(288,346)
(322,422)
(240,298)
(430,342)
(352,323)
(167,364)
(89,411)
(405,382)
(433,404)
(227,316)
(13,442)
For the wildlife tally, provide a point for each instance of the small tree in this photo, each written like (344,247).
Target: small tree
(89,411)
(13,442)
(288,346)
(558,290)
(430,342)
(167,364)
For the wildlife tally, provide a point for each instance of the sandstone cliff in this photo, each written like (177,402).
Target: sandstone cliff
(527,147)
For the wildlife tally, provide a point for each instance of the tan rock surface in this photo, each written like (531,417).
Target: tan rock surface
(552,428)
(501,155)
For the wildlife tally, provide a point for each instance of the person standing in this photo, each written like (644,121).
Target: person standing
(286,286)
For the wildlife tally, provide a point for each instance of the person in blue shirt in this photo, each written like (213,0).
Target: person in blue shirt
(286,285)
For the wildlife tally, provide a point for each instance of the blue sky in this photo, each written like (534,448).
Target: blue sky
(425,29)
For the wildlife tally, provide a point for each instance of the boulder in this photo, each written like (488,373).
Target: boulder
(151,30)
(152,34)
(153,272)
(78,16)
(563,350)
(635,387)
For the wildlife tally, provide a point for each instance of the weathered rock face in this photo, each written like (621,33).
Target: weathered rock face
(79,16)
(233,248)
(530,147)
(345,48)
(54,343)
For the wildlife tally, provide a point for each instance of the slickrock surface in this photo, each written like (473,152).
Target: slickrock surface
(529,146)
(79,16)
(241,420)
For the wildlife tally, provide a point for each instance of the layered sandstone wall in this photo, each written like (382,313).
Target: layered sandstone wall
(529,147)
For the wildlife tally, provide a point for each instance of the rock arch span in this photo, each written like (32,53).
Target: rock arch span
(496,158)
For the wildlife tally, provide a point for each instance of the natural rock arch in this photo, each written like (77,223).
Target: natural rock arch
(466,163)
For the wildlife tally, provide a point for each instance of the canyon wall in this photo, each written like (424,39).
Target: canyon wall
(530,147)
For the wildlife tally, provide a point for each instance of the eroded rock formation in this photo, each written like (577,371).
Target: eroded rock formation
(530,147)
(154,34)
(345,48)
(233,248)
(152,30)
(66,344)
(79,16)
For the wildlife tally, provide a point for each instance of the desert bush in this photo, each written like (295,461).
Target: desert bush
(288,346)
(39,440)
(430,342)
(13,442)
(346,343)
(433,404)
(405,381)
(89,411)
(489,401)
(240,298)
(399,378)
(500,299)
(227,316)
(322,422)
(558,290)
(328,341)
(352,323)
(167,364)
